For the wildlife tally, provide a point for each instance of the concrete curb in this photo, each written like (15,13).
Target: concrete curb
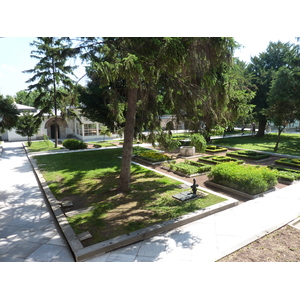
(83,253)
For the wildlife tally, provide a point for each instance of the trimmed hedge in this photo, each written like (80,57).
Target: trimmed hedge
(286,174)
(294,162)
(188,167)
(73,144)
(217,159)
(214,149)
(248,154)
(245,178)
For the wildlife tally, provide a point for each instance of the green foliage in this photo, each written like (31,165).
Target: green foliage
(188,167)
(8,114)
(28,125)
(263,68)
(289,162)
(217,159)
(212,148)
(167,143)
(245,178)
(248,154)
(286,174)
(73,144)
(199,142)
(290,143)
(150,154)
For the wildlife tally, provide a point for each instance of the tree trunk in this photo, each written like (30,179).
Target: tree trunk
(261,127)
(124,181)
(55,105)
(278,138)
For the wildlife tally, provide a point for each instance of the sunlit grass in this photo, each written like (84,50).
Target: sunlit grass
(289,143)
(38,146)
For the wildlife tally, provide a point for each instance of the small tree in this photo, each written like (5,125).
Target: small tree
(104,131)
(28,125)
(284,99)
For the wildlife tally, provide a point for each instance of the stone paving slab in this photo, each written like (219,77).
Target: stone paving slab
(27,228)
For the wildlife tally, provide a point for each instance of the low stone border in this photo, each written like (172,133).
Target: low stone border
(83,253)
(245,195)
(295,223)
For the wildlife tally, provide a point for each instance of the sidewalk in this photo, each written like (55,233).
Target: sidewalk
(215,236)
(27,229)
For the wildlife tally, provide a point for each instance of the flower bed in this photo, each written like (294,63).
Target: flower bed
(187,168)
(150,155)
(247,154)
(215,149)
(294,162)
(245,178)
(217,159)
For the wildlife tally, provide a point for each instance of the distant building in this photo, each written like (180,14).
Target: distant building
(84,129)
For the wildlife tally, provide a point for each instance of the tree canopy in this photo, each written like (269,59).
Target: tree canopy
(8,114)
(263,68)
(51,79)
(284,99)
(188,73)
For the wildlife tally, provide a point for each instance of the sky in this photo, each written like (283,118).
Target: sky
(15,58)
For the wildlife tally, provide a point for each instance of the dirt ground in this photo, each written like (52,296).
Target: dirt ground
(282,245)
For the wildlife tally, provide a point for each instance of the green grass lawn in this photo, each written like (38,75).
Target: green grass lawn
(90,179)
(289,144)
(103,143)
(41,146)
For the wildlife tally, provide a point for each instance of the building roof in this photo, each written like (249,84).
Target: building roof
(22,107)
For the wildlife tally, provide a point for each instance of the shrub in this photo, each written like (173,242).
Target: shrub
(245,178)
(199,142)
(167,143)
(73,144)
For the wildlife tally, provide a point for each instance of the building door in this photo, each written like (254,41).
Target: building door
(52,129)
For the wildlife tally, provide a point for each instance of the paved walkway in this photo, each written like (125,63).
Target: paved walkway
(27,229)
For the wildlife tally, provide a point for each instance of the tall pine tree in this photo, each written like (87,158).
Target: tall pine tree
(51,75)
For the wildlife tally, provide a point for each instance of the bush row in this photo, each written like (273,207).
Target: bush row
(248,154)
(294,162)
(217,159)
(286,174)
(212,148)
(245,178)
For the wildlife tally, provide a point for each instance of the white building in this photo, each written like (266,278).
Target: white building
(85,130)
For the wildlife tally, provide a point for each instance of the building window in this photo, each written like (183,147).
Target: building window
(90,129)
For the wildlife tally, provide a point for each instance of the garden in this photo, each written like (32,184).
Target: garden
(90,180)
